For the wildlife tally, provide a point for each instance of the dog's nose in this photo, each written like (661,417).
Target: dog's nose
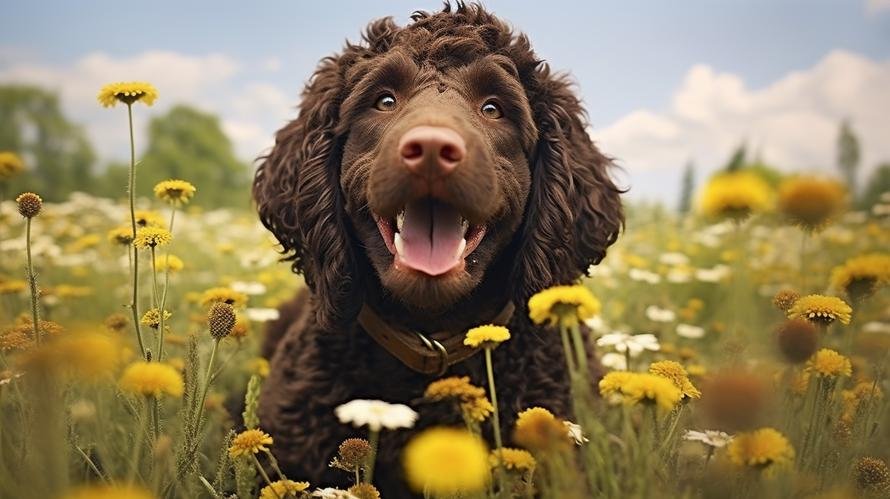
(432,151)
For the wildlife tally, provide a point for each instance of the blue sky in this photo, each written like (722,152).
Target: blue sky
(656,76)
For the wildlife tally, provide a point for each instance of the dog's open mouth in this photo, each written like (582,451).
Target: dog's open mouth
(429,236)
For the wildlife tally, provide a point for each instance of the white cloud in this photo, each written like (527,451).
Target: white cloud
(791,123)
(250,111)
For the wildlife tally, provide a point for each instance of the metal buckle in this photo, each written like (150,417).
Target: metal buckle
(438,348)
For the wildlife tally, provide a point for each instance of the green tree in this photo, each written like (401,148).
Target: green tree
(686,188)
(878,183)
(738,158)
(190,144)
(56,151)
(848,155)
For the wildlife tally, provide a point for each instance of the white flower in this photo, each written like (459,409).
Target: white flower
(575,432)
(262,314)
(715,274)
(689,331)
(596,324)
(658,314)
(711,438)
(376,414)
(876,327)
(248,288)
(332,493)
(679,275)
(635,344)
(644,276)
(673,258)
(614,361)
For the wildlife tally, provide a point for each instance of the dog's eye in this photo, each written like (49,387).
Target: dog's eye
(385,102)
(491,110)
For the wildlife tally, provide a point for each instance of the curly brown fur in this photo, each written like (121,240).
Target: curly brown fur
(531,178)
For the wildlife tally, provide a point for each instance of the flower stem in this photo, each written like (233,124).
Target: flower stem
(373,437)
(580,350)
(134,303)
(262,471)
(200,413)
(494,400)
(274,463)
(154,279)
(155,418)
(32,281)
(163,305)
(567,349)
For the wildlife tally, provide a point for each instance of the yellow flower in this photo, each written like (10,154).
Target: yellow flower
(613,382)
(89,356)
(249,442)
(174,192)
(10,165)
(152,237)
(13,287)
(280,489)
(538,430)
(811,202)
(258,366)
(486,336)
(677,375)
(171,263)
(829,364)
(127,92)
(760,449)
(735,195)
(562,305)
(512,459)
(861,276)
(147,218)
(865,392)
(152,318)
(364,491)
(108,492)
(634,388)
(446,461)
(821,309)
(122,235)
(474,404)
(152,379)
(224,295)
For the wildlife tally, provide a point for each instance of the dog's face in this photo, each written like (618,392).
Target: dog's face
(425,157)
(435,172)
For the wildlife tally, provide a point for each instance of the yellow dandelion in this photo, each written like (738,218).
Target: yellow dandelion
(811,202)
(446,461)
(651,389)
(152,237)
(364,491)
(174,192)
(473,402)
(168,263)
(562,305)
(13,287)
(538,430)
(152,318)
(122,235)
(249,442)
(148,218)
(89,356)
(127,92)
(863,275)
(760,449)
(677,375)
(283,488)
(821,309)
(829,364)
(224,295)
(476,409)
(152,379)
(10,165)
(735,195)
(612,383)
(108,492)
(512,459)
(488,336)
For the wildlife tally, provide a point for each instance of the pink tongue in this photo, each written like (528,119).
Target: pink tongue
(431,235)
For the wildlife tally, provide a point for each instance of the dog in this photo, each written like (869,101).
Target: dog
(436,176)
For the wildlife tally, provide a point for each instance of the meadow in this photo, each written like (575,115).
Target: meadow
(746,346)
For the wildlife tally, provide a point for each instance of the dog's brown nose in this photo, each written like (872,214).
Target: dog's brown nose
(432,151)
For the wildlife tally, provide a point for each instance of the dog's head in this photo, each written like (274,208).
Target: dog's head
(432,159)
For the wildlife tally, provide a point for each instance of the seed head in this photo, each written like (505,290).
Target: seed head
(221,319)
(30,204)
(798,340)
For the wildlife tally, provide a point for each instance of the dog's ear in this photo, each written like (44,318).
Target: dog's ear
(296,189)
(574,211)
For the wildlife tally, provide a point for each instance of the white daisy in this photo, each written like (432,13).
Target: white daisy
(633,343)
(644,276)
(376,414)
(711,438)
(575,432)
(262,314)
(689,331)
(658,314)
(715,274)
(673,258)
(614,361)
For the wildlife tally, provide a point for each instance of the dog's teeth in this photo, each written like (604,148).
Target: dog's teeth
(398,243)
(400,220)
(465,225)
(461,247)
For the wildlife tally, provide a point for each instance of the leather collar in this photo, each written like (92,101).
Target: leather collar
(421,352)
